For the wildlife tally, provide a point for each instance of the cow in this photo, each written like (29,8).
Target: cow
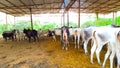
(9,34)
(101,37)
(65,37)
(31,33)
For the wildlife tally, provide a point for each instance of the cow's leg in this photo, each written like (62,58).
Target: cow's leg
(78,41)
(12,38)
(63,44)
(85,47)
(111,59)
(92,51)
(98,53)
(118,59)
(29,39)
(66,45)
(75,38)
(34,39)
(106,56)
(5,38)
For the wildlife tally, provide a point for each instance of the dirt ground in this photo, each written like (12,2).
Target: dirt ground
(44,54)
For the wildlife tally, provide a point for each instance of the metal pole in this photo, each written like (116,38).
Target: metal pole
(113,18)
(61,20)
(97,19)
(68,18)
(31,18)
(6,23)
(14,23)
(79,14)
(116,17)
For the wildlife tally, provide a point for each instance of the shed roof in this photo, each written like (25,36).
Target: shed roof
(97,6)
(22,7)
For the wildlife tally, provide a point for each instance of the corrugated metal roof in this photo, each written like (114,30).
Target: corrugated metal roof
(97,6)
(22,7)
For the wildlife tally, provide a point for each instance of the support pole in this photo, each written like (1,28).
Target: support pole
(63,19)
(113,18)
(68,18)
(14,23)
(97,17)
(6,23)
(64,14)
(31,18)
(116,17)
(79,14)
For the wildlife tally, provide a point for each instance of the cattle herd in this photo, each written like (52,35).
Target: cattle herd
(99,36)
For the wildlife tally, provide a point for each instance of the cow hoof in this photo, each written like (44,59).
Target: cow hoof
(66,49)
(63,48)
(103,66)
(75,46)
(92,62)
(86,53)
(99,63)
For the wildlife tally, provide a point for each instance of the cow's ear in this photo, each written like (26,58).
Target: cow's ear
(118,36)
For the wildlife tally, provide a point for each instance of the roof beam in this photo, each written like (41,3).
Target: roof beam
(91,4)
(6,9)
(27,6)
(15,6)
(107,7)
(69,5)
(34,4)
(24,4)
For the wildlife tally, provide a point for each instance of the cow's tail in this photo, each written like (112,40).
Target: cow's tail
(94,38)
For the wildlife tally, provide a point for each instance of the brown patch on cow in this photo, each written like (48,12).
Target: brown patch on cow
(95,38)
(64,35)
(118,36)
(76,33)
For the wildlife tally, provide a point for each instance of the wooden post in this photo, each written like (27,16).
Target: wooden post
(97,17)
(14,23)
(68,18)
(116,17)
(6,23)
(113,18)
(63,19)
(31,18)
(79,14)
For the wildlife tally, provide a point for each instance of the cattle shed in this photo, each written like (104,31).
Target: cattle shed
(46,52)
(29,7)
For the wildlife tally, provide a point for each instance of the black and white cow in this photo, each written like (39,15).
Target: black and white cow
(65,37)
(9,34)
(31,33)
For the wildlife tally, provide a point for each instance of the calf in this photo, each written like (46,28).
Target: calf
(9,34)
(31,33)
(52,34)
(65,37)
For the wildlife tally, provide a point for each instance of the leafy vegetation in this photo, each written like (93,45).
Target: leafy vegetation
(21,24)
(101,22)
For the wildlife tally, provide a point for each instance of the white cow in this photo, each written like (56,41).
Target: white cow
(113,48)
(101,37)
(87,35)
